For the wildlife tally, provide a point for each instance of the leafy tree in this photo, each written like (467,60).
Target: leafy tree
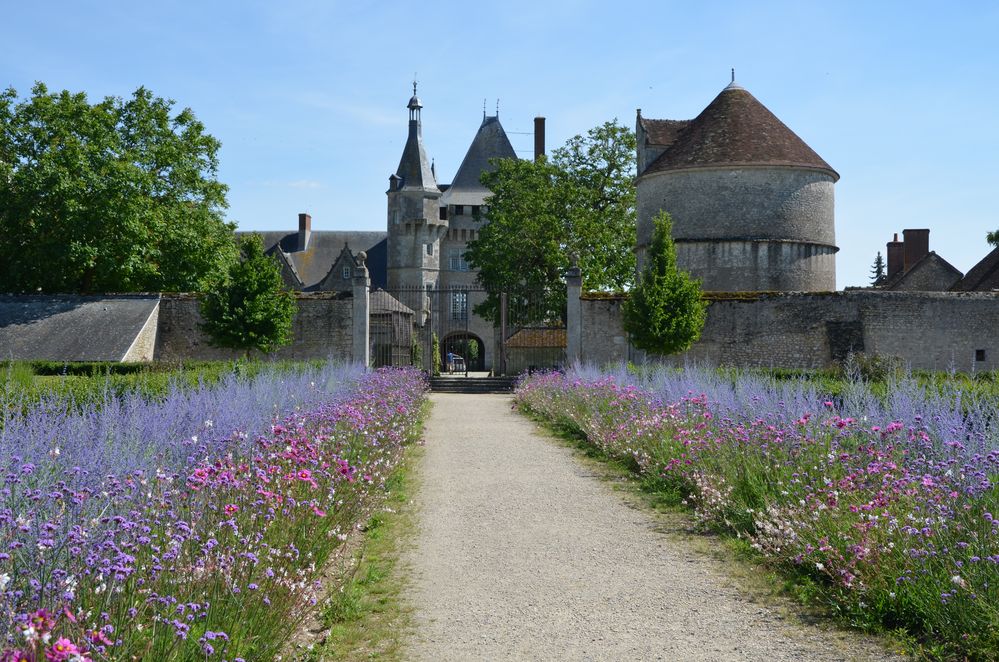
(581,201)
(993,238)
(878,270)
(664,312)
(251,309)
(116,196)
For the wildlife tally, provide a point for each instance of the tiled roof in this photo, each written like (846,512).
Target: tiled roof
(735,129)
(381,301)
(930,267)
(662,132)
(983,277)
(537,338)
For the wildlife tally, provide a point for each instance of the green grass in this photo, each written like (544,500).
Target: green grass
(367,619)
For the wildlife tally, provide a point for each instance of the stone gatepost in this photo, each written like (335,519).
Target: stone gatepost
(573,314)
(361,315)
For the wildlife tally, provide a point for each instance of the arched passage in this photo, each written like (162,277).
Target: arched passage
(467,352)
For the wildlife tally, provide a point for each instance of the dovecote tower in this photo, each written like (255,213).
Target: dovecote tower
(415,226)
(752,204)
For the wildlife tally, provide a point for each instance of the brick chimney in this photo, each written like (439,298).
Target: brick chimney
(304,231)
(539,137)
(917,246)
(895,259)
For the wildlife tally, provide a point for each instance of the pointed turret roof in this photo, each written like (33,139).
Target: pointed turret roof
(414,168)
(490,142)
(735,129)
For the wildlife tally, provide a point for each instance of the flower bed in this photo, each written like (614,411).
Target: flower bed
(194,526)
(884,510)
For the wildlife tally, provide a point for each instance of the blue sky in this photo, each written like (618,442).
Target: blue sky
(308,97)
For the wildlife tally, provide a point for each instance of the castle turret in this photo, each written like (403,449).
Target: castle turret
(752,204)
(414,224)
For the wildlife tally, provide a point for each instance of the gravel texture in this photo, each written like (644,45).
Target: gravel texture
(522,554)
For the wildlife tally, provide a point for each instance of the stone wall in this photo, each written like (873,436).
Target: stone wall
(783,212)
(927,330)
(322,329)
(603,337)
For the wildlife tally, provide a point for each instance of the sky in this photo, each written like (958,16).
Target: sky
(309,97)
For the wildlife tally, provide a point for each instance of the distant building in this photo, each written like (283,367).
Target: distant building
(913,267)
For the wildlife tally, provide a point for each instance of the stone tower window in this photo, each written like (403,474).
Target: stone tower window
(430,249)
(459,210)
(979,354)
(443,213)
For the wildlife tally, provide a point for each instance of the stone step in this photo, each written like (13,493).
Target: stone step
(472,384)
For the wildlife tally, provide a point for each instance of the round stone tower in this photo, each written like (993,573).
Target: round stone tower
(751,203)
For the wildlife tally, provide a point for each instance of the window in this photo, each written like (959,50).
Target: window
(459,210)
(443,213)
(459,305)
(430,249)
(456,260)
(475,210)
(346,273)
(979,354)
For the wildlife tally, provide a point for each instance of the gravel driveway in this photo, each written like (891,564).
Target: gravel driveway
(521,555)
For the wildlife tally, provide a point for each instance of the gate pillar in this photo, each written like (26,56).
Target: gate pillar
(573,315)
(361,345)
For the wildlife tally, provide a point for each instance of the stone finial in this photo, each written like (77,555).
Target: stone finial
(361,257)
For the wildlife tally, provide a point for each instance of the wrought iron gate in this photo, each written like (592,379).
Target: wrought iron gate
(412,326)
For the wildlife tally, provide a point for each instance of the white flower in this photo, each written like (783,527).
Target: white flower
(957,580)
(4,580)
(819,566)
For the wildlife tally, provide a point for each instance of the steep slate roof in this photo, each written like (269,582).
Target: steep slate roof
(490,142)
(983,277)
(735,129)
(414,168)
(72,328)
(312,264)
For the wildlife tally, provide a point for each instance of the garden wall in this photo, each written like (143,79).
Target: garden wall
(928,330)
(322,329)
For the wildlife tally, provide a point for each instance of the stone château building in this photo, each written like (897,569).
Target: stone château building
(420,259)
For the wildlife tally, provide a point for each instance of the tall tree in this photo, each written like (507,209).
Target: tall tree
(119,195)
(664,312)
(993,238)
(878,270)
(581,201)
(250,310)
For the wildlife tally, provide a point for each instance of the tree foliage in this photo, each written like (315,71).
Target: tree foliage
(580,202)
(116,196)
(250,309)
(878,270)
(664,312)
(993,238)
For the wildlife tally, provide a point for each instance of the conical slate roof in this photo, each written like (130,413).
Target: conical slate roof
(736,129)
(490,142)
(414,168)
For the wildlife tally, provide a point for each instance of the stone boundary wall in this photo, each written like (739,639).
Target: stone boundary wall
(323,328)
(927,330)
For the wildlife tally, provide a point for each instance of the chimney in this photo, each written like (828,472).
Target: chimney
(304,231)
(917,246)
(895,259)
(539,137)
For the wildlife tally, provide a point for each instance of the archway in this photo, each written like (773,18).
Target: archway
(467,352)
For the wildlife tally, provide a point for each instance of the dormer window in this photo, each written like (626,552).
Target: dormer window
(346,273)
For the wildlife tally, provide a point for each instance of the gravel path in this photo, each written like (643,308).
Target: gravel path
(522,555)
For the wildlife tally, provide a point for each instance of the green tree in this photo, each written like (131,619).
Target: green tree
(993,238)
(115,196)
(581,201)
(664,312)
(250,309)
(878,270)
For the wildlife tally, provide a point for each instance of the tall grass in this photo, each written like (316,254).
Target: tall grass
(882,505)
